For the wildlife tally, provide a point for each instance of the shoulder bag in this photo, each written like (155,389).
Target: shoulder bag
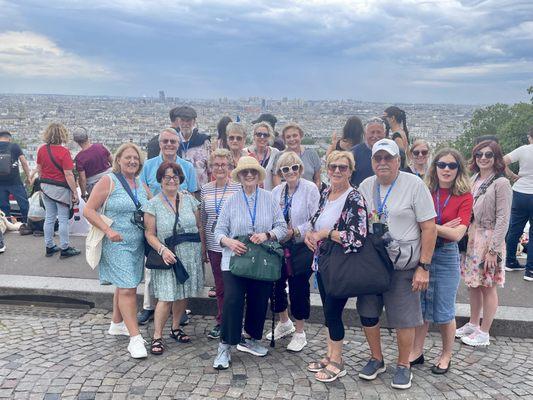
(261,262)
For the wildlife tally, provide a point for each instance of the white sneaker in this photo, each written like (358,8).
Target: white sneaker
(117,329)
(281,330)
(298,342)
(136,347)
(465,330)
(476,339)
(2,248)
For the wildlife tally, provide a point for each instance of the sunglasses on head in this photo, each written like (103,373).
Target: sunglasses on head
(450,165)
(235,138)
(387,158)
(488,155)
(416,153)
(293,168)
(262,135)
(246,172)
(167,141)
(340,167)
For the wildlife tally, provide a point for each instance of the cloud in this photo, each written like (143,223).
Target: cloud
(28,54)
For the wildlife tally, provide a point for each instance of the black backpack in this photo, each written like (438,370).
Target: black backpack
(6,161)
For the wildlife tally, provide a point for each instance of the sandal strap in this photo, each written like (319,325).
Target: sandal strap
(339,366)
(329,373)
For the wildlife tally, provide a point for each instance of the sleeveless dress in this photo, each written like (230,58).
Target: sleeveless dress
(163,281)
(122,263)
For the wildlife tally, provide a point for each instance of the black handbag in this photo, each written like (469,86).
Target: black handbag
(369,271)
(298,258)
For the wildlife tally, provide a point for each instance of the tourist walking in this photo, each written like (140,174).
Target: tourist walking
(449,185)
(120,196)
(481,267)
(252,212)
(298,199)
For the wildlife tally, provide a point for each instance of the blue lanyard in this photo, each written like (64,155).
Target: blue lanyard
(262,162)
(169,203)
(185,149)
(252,216)
(381,205)
(439,209)
(135,195)
(288,202)
(218,205)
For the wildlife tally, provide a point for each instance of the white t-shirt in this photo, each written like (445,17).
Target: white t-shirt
(524,156)
(331,212)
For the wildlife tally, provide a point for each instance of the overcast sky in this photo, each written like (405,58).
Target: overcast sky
(435,51)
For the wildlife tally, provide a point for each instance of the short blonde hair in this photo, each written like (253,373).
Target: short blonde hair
(56,133)
(292,125)
(222,153)
(266,125)
(288,158)
(123,147)
(337,155)
(236,127)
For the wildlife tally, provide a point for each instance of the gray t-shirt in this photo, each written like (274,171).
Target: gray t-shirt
(409,203)
(310,159)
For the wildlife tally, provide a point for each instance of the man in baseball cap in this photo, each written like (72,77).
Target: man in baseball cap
(387,145)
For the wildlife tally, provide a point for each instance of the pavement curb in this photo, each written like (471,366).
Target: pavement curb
(509,321)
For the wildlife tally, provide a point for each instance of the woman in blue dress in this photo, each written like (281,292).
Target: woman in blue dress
(161,213)
(122,260)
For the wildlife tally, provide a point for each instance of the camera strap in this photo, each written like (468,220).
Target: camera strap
(127,188)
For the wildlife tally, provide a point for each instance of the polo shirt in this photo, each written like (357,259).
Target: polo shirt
(149,171)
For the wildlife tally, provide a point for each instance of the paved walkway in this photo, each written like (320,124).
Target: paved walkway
(53,353)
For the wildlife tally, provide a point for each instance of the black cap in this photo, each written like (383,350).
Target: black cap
(266,118)
(185,112)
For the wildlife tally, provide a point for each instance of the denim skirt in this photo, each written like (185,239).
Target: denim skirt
(438,301)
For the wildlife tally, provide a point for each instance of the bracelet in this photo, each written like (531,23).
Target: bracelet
(296,233)
(161,249)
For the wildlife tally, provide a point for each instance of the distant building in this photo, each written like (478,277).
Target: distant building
(162,96)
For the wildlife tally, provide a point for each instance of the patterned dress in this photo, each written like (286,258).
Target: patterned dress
(164,285)
(122,263)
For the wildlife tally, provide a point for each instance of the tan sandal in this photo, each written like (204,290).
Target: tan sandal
(331,375)
(316,366)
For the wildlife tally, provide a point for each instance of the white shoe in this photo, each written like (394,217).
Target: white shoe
(298,342)
(465,330)
(3,248)
(136,347)
(476,339)
(117,329)
(282,329)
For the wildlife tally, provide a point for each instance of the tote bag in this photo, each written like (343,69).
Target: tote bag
(93,243)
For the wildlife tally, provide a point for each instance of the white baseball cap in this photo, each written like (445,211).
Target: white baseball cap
(388,145)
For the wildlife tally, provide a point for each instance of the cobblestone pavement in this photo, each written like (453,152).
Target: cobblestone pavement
(53,353)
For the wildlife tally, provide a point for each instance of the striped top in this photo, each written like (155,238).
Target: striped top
(208,211)
(235,220)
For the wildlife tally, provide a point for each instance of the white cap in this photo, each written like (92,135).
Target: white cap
(388,145)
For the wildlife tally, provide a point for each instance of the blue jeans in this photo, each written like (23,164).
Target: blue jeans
(61,212)
(21,197)
(521,212)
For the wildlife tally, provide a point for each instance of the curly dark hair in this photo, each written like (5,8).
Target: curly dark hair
(499,164)
(169,165)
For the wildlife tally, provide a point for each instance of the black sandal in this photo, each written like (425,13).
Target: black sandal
(157,347)
(179,335)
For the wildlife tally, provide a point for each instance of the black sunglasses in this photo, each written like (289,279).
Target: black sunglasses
(488,155)
(416,153)
(450,165)
(341,167)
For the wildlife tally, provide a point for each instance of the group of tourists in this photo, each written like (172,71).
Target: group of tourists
(261,216)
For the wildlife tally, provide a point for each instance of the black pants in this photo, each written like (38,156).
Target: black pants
(236,290)
(299,294)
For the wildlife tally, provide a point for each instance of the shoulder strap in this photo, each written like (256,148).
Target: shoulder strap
(177,217)
(127,188)
(53,159)
(104,206)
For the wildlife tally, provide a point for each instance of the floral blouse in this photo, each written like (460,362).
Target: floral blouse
(352,223)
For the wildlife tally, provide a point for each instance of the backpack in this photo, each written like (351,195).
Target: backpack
(6,161)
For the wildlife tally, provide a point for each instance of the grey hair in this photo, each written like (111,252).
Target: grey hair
(375,120)
(236,127)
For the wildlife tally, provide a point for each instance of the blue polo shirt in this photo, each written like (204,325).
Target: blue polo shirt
(149,171)
(363,163)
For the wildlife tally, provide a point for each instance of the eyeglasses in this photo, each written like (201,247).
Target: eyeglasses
(293,168)
(341,167)
(386,158)
(168,178)
(416,153)
(262,135)
(246,172)
(235,138)
(219,166)
(166,141)
(488,155)
(450,165)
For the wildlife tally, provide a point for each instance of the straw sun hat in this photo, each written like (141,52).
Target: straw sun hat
(248,162)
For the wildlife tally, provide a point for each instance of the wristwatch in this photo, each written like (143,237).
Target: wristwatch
(268,235)
(424,266)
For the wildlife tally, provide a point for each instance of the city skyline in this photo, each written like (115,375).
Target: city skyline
(406,51)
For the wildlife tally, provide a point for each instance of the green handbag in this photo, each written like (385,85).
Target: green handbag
(261,262)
